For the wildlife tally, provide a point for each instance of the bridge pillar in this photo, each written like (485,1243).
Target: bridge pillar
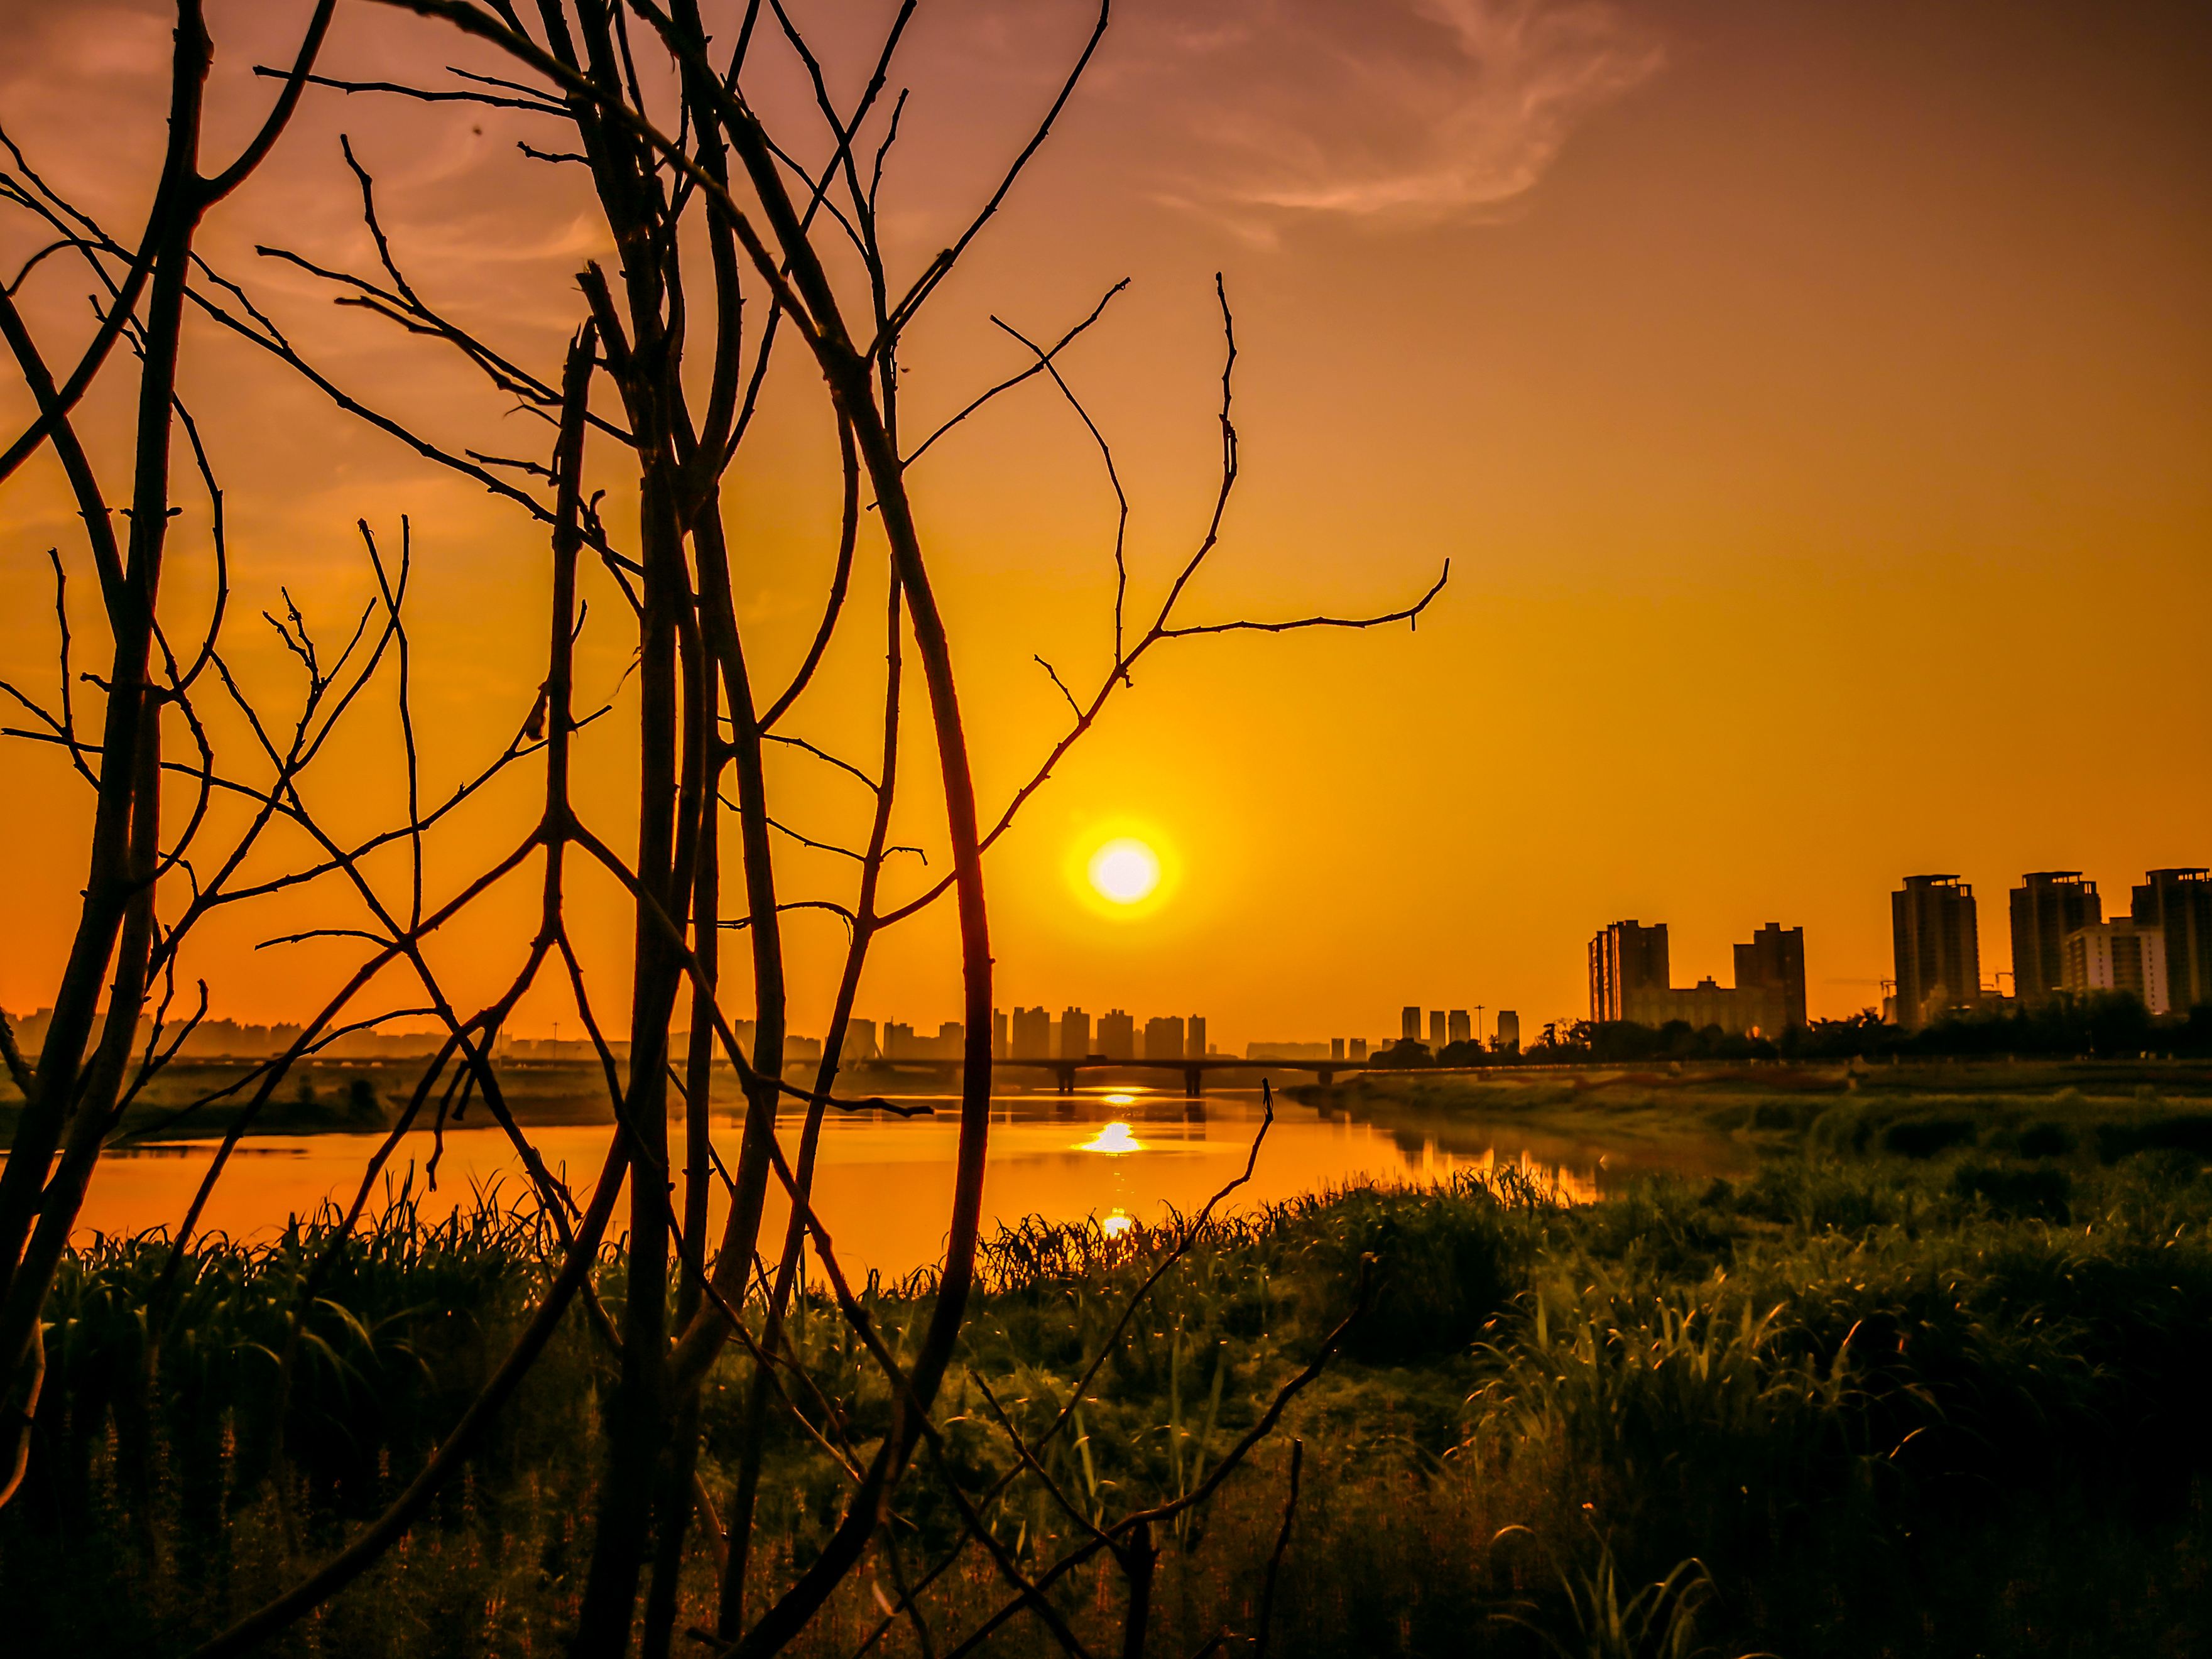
(1065,1076)
(1194,1081)
(1327,1078)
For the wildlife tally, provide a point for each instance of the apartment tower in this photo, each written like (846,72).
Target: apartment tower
(1938,949)
(1626,961)
(1164,1038)
(1772,966)
(2047,906)
(2117,956)
(2178,904)
(1117,1035)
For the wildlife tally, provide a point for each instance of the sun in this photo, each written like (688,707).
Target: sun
(1125,870)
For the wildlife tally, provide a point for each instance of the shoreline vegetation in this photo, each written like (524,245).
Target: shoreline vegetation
(1662,1102)
(1927,1379)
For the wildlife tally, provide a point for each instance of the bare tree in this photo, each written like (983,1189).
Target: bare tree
(686,177)
(74,1092)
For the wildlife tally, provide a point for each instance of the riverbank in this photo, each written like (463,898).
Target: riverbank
(1659,1105)
(1928,1393)
(1766,1108)
(199,1098)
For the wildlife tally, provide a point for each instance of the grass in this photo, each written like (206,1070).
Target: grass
(1904,1390)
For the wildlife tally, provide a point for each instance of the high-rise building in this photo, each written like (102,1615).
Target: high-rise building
(1409,1025)
(1630,981)
(1117,1035)
(1336,1047)
(2047,906)
(1164,1038)
(2178,903)
(859,1043)
(1435,1028)
(1359,1047)
(2117,956)
(1509,1031)
(898,1040)
(1002,1047)
(1193,1046)
(1031,1035)
(1938,949)
(1773,963)
(1074,1035)
(1626,959)
(1458,1028)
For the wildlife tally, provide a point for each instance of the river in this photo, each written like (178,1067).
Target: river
(883,1185)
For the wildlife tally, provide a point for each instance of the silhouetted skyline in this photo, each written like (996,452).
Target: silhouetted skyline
(1771,372)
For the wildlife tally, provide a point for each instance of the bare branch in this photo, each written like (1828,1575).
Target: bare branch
(529,104)
(1044,360)
(823,755)
(1073,708)
(941,267)
(827,846)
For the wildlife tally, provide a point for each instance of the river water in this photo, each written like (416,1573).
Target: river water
(884,1183)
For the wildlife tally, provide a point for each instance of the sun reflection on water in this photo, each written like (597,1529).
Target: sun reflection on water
(1113,1139)
(1118,1222)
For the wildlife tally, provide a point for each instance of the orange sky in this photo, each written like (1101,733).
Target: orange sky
(1814,403)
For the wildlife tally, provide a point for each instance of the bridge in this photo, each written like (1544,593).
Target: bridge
(1195,1071)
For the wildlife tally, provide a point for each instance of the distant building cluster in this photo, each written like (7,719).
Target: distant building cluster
(230,1039)
(2062,945)
(1035,1034)
(1444,1027)
(1631,979)
(1351,1048)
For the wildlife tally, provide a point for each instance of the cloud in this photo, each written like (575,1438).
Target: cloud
(1392,110)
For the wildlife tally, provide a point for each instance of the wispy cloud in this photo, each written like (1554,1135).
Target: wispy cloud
(1393,110)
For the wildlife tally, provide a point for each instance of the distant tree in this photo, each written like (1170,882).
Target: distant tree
(1405,1052)
(363,1110)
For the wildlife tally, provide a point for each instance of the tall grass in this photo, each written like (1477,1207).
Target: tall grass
(1883,1400)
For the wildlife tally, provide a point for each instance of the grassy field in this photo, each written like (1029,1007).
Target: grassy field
(1929,1378)
(1765,1109)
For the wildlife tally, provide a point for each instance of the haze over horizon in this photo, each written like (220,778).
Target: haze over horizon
(1812,403)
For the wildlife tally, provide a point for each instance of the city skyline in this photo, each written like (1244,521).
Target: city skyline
(1757,383)
(1934,920)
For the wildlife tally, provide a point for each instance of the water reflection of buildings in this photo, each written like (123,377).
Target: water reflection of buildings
(1429,1164)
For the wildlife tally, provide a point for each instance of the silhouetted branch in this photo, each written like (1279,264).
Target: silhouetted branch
(823,755)
(18,1068)
(529,104)
(1162,627)
(841,851)
(941,267)
(1044,361)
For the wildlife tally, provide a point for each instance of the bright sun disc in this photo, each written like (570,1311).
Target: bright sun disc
(1125,870)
